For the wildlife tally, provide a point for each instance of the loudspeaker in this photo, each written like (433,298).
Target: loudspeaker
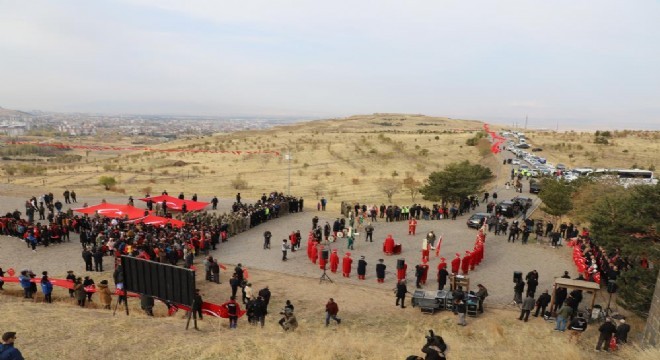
(325,254)
(517,276)
(400,263)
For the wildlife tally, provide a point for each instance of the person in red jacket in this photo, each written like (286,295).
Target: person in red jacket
(401,273)
(331,310)
(334,261)
(346,265)
(456,264)
(293,240)
(412,225)
(465,264)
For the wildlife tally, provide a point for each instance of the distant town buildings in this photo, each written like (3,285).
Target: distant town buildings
(17,123)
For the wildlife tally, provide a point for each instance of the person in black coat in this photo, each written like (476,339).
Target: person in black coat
(606,331)
(532,283)
(265,295)
(234,283)
(622,332)
(361,268)
(380,271)
(542,303)
(560,296)
(87,256)
(401,290)
(197,304)
(443,274)
(88,282)
(98,260)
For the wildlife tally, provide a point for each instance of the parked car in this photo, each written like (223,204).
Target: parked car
(507,208)
(534,187)
(525,201)
(537,149)
(523,146)
(476,220)
(515,162)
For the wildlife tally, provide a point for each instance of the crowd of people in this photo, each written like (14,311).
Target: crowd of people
(101,237)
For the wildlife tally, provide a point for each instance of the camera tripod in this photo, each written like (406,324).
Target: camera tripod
(325,277)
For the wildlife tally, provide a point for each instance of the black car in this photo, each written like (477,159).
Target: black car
(534,187)
(507,208)
(523,146)
(525,201)
(537,149)
(477,220)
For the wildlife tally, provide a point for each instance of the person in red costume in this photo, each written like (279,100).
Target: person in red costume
(334,261)
(425,268)
(456,264)
(346,265)
(412,225)
(322,261)
(465,264)
(426,250)
(315,253)
(293,240)
(442,264)
(401,273)
(388,245)
(310,243)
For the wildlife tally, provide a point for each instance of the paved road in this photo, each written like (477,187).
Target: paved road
(495,272)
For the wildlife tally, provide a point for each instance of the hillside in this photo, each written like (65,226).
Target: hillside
(390,333)
(337,158)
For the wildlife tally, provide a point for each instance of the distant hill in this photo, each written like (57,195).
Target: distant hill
(8,112)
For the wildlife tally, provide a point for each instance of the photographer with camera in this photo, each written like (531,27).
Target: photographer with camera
(435,347)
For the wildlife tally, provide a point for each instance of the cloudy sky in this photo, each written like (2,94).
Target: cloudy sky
(582,63)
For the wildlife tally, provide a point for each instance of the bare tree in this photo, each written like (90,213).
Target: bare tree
(389,187)
(412,186)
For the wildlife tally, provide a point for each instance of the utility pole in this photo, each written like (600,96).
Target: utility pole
(525,122)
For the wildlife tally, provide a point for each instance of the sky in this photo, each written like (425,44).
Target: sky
(579,64)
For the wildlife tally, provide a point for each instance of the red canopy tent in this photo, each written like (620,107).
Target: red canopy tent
(176,203)
(158,221)
(113,211)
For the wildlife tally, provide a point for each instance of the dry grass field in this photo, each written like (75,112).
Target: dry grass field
(64,331)
(341,159)
(625,149)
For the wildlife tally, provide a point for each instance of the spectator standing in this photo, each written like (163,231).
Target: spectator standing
(622,332)
(7,349)
(606,331)
(331,310)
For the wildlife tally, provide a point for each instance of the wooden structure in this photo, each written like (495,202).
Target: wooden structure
(571,284)
(459,280)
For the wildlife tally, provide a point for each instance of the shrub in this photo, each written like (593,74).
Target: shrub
(239,183)
(107,181)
